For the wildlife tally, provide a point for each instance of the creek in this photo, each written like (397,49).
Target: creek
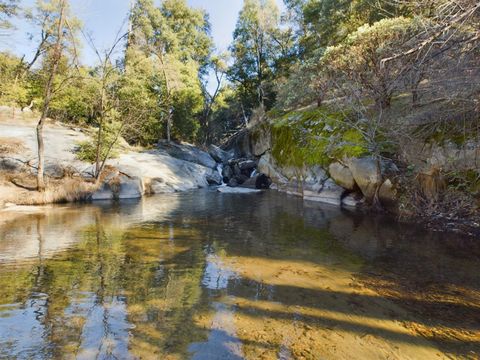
(206,275)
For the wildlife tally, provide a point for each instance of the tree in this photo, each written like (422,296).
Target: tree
(175,39)
(59,24)
(257,44)
(219,69)
(358,60)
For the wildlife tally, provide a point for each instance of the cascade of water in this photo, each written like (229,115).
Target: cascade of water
(220,171)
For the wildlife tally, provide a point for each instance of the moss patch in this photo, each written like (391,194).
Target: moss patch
(314,137)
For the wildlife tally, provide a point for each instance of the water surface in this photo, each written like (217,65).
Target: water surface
(205,275)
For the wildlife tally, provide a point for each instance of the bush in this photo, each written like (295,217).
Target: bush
(87,150)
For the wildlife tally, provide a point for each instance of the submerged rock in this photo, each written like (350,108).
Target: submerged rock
(329,193)
(353,200)
(238,190)
(260,181)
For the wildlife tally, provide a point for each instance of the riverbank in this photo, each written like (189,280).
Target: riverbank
(133,173)
(436,186)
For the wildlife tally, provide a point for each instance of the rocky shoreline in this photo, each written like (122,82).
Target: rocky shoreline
(244,164)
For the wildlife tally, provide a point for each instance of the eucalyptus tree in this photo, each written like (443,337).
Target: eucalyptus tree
(171,42)
(257,45)
(58,46)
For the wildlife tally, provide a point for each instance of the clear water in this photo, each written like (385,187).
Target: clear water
(205,275)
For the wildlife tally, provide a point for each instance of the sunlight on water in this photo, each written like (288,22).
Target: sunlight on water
(206,275)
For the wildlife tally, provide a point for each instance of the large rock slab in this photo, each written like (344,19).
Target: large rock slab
(366,175)
(188,152)
(220,155)
(267,165)
(60,141)
(164,173)
(260,140)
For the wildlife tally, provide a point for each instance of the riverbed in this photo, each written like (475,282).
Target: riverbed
(206,275)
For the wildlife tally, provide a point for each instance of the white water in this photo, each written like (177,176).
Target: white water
(220,171)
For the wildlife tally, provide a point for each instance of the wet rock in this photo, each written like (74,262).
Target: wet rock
(214,178)
(238,190)
(260,181)
(247,165)
(233,183)
(329,193)
(187,152)
(388,194)
(241,179)
(353,200)
(219,155)
(236,170)
(227,173)
(342,175)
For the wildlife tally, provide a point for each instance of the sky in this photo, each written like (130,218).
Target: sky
(103,19)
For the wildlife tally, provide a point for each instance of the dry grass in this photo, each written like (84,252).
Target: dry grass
(439,207)
(69,189)
(11,146)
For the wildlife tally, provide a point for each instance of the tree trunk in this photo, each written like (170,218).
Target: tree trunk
(169,127)
(376,203)
(41,160)
(48,97)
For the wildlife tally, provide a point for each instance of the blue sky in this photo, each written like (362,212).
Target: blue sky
(103,18)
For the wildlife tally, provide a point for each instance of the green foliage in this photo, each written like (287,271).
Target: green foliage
(358,61)
(87,150)
(13,88)
(315,137)
(165,56)
(75,102)
(257,50)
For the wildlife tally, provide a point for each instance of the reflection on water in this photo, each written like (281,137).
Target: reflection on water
(206,275)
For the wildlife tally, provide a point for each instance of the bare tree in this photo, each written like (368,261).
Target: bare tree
(219,68)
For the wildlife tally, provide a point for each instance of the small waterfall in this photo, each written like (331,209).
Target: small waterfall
(220,171)
(254,173)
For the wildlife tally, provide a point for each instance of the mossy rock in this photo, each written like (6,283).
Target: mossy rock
(314,137)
